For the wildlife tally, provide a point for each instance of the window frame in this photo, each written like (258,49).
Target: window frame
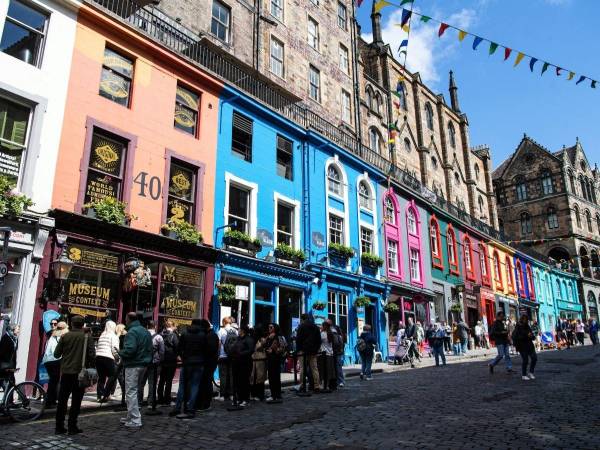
(452,135)
(313,38)
(279,149)
(274,58)
(338,300)
(24,148)
(371,242)
(387,201)
(291,235)
(252,189)
(520,278)
(344,59)
(530,282)
(39,52)
(525,223)
(199,169)
(510,278)
(187,108)
(552,218)
(468,258)
(346,107)
(429,119)
(278,7)
(547,184)
(396,269)
(452,250)
(485,265)
(365,200)
(129,79)
(341,231)
(521,190)
(226,26)
(436,257)
(415,265)
(342,21)
(247,156)
(314,72)
(497,271)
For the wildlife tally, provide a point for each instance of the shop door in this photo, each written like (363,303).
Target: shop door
(489,312)
(472,317)
(264,306)
(290,308)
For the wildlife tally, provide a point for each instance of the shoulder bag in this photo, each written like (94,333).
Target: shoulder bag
(87,376)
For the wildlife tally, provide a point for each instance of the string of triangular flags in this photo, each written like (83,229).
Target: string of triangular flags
(477,40)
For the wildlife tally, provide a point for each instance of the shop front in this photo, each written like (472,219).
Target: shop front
(507,305)
(471,306)
(529,308)
(570,311)
(487,301)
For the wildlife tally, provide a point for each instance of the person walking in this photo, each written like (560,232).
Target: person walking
(136,354)
(120,331)
(153,369)
(499,334)
(448,339)
(211,360)
(570,329)
(339,344)
(367,343)
(420,338)
(593,331)
(258,376)
(276,350)
(523,338)
(168,366)
(463,335)
(510,326)
(308,343)
(106,350)
(70,350)
(478,334)
(438,336)
(52,364)
(241,364)
(192,350)
(227,337)
(580,331)
(325,361)
(8,355)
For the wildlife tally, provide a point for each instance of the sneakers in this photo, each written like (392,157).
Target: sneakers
(133,425)
(369,378)
(491,368)
(243,404)
(341,385)
(270,399)
(123,420)
(531,377)
(525,378)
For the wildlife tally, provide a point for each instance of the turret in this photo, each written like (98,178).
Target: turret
(453,94)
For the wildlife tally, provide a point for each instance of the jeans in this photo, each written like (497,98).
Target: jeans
(225,378)
(53,369)
(190,379)
(366,360)
(594,337)
(150,376)
(69,386)
(206,386)
(502,353)
(526,355)
(165,383)
(463,346)
(133,375)
(437,352)
(339,368)
(242,368)
(274,373)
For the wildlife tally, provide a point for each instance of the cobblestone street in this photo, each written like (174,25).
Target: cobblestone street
(457,406)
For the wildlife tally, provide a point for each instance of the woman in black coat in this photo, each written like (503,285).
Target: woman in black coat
(523,338)
(8,355)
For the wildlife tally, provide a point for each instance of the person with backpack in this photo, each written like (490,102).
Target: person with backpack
(338,352)
(153,369)
(523,338)
(227,338)
(308,343)
(241,365)
(365,345)
(276,350)
(210,364)
(499,334)
(168,365)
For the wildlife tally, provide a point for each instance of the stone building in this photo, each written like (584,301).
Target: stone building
(549,202)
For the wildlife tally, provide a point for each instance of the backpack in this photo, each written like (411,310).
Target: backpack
(230,341)
(338,343)
(361,345)
(170,347)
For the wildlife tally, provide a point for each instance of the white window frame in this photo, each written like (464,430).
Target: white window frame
(346,107)
(415,264)
(313,37)
(342,7)
(368,230)
(313,70)
(295,204)
(25,150)
(253,188)
(411,222)
(365,200)
(344,59)
(279,7)
(395,268)
(340,230)
(277,59)
(226,25)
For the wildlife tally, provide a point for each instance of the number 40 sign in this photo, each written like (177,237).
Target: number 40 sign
(148,184)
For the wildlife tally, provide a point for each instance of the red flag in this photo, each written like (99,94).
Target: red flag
(443,27)
(507,52)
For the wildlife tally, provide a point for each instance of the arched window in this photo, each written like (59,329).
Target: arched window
(435,242)
(558,295)
(477,171)
(411,221)
(429,115)
(510,278)
(552,218)
(481,206)
(390,211)
(334,180)
(525,223)
(365,199)
(401,91)
(520,280)
(547,187)
(577,216)
(521,188)
(468,257)
(374,140)
(572,182)
(588,220)
(484,265)
(377,104)
(583,188)
(407,145)
(530,284)
(497,270)
(434,163)
(452,250)
(451,135)
(369,93)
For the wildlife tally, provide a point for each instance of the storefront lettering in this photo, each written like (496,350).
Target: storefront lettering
(153,185)
(84,256)
(84,294)
(182,275)
(181,308)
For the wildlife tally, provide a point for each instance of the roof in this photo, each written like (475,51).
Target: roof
(499,171)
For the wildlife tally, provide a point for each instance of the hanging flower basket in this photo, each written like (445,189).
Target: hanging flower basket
(362,302)
(340,252)
(391,308)
(226,294)
(109,210)
(371,261)
(456,307)
(319,306)
(12,202)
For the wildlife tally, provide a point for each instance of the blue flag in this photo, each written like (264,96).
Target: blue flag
(404,43)
(405,16)
(476,42)
(532,63)
(581,78)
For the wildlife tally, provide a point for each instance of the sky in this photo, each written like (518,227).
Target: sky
(503,102)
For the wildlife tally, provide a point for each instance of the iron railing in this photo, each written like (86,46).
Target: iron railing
(160,27)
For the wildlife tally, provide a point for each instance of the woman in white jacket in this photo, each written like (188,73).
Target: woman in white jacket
(52,364)
(106,350)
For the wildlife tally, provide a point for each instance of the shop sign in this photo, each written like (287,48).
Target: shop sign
(181,275)
(92,258)
(470,300)
(318,239)
(21,237)
(86,312)
(265,237)
(176,307)
(88,295)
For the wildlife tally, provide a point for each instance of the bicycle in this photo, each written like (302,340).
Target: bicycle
(22,402)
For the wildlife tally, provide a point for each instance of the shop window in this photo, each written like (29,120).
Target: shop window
(187,105)
(240,307)
(336,230)
(221,19)
(285,158)
(337,309)
(436,243)
(392,256)
(182,192)
(14,122)
(241,137)
(415,265)
(238,214)
(285,224)
(24,32)
(366,240)
(452,250)
(289,309)
(106,167)
(181,294)
(264,307)
(116,78)
(12,284)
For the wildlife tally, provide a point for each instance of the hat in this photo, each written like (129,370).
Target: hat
(77,321)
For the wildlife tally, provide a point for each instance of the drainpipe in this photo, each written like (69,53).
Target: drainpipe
(256,34)
(306,197)
(357,115)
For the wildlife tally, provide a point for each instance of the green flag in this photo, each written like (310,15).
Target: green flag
(493,47)
(425,19)
(406,1)
(545,67)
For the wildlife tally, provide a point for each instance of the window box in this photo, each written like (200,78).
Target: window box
(285,254)
(109,210)
(371,261)
(236,240)
(319,306)
(182,231)
(340,252)
(391,308)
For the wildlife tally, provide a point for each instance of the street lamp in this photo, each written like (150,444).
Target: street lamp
(62,267)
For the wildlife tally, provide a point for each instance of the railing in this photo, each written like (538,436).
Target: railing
(160,27)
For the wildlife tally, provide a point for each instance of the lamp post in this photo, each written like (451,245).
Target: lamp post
(61,268)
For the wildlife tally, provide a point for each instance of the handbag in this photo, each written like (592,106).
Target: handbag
(87,376)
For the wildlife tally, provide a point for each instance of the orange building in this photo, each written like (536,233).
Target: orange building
(140,127)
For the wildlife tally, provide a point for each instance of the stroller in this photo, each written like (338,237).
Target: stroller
(404,354)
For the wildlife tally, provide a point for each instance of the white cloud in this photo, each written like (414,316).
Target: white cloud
(425,49)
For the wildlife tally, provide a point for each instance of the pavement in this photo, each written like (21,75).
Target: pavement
(460,405)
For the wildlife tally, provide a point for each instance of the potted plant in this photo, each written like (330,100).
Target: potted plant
(319,305)
(287,253)
(361,302)
(391,308)
(370,260)
(226,294)
(12,202)
(238,239)
(456,307)
(110,210)
(341,252)
(182,231)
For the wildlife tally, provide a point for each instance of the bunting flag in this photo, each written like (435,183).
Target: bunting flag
(461,35)
(493,48)
(406,28)
(520,57)
(581,79)
(380,4)
(404,2)
(593,85)
(571,75)
(545,67)
(476,42)
(443,28)
(405,16)
(425,19)
(507,52)
(404,43)
(558,69)
(532,63)
(396,104)
(359,2)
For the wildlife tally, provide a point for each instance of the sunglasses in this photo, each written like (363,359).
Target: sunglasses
(53,323)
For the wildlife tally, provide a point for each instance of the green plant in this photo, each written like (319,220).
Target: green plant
(185,231)
(287,252)
(111,210)
(236,234)
(11,201)
(341,250)
(319,305)
(362,302)
(370,259)
(226,293)
(391,308)
(456,307)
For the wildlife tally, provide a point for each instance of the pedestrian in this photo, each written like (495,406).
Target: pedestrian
(400,334)
(241,364)
(463,335)
(276,350)
(580,331)
(52,364)
(429,338)
(211,359)
(366,346)
(593,331)
(136,354)
(455,340)
(325,361)
(448,339)
(258,376)
(106,350)
(437,339)
(523,338)
(510,327)
(478,333)
(153,370)
(120,331)
(499,334)
(308,343)
(485,338)
(227,337)
(410,333)
(570,329)
(339,344)
(168,365)
(420,338)
(8,355)
(192,350)
(72,348)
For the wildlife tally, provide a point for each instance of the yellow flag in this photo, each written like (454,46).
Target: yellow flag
(401,78)
(461,35)
(520,56)
(381,4)
(571,75)
(406,28)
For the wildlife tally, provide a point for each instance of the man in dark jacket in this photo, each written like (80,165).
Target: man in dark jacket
(169,363)
(463,334)
(241,363)
(499,334)
(366,355)
(192,350)
(70,350)
(308,342)
(210,364)
(137,356)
